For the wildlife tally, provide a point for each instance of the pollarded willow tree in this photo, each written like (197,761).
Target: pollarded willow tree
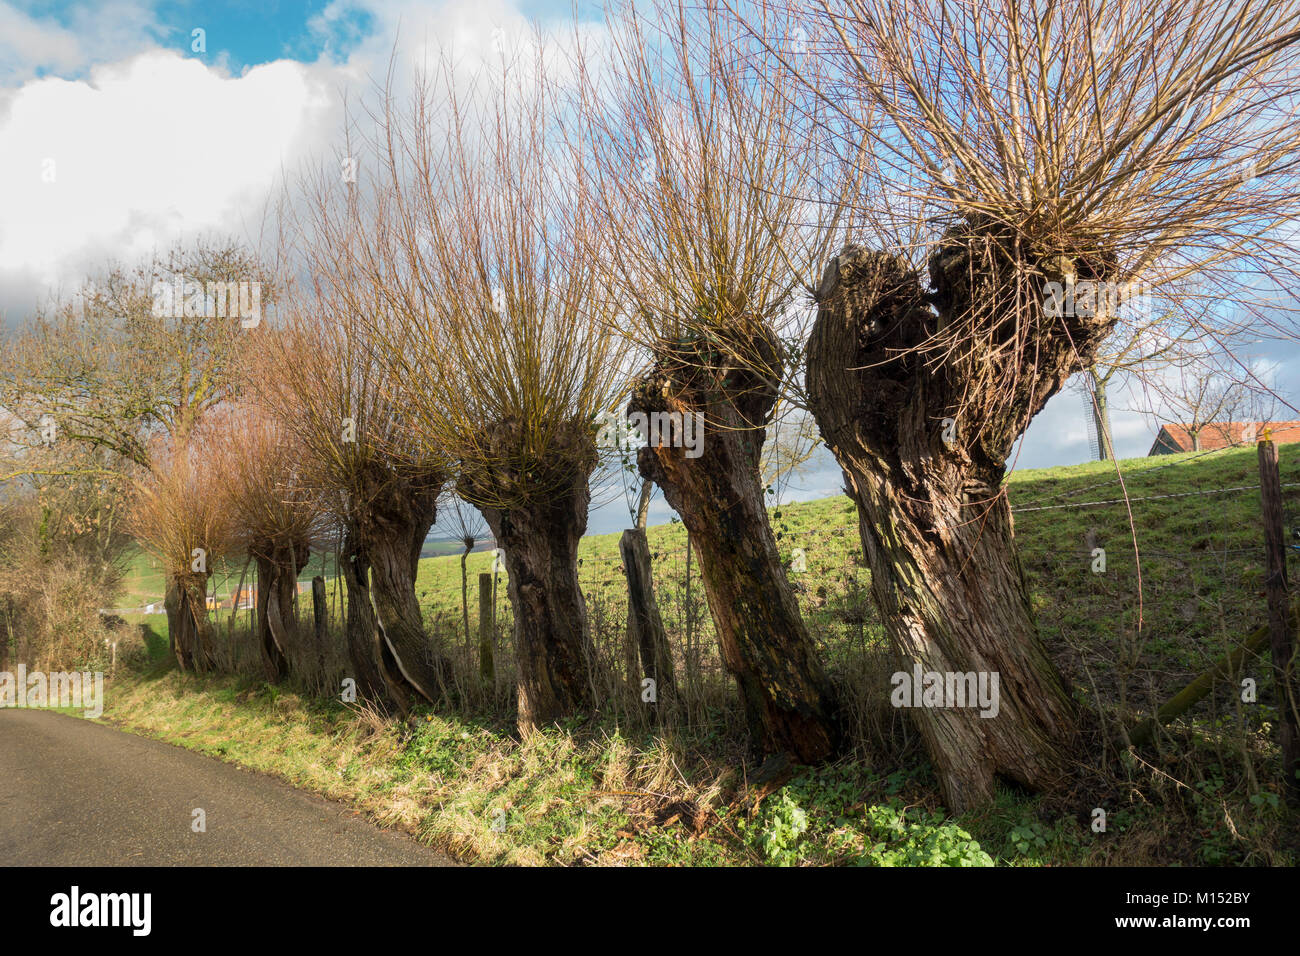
(323,385)
(381,486)
(1032,157)
(506,310)
(179,514)
(275,517)
(709,246)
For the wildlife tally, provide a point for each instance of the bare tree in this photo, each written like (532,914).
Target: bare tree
(180,516)
(1020,153)
(275,517)
(708,246)
(323,385)
(479,229)
(1137,350)
(1206,393)
(323,381)
(138,351)
(136,359)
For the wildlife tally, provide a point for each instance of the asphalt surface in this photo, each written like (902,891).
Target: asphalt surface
(78,793)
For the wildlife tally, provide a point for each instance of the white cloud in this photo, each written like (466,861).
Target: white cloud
(466,25)
(143,151)
(96,33)
(149,145)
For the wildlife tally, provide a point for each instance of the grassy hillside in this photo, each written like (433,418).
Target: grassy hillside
(1197,588)
(1200,582)
(143,578)
(615,789)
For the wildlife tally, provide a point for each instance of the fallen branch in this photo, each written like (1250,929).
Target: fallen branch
(1181,702)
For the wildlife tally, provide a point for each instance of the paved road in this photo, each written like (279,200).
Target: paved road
(78,793)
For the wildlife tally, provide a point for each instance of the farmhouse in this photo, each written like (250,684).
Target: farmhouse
(1176,438)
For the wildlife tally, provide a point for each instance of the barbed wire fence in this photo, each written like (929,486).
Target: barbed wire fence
(832,583)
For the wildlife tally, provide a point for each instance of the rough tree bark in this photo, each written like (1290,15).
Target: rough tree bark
(394,537)
(887,389)
(386,640)
(181,644)
(539,530)
(719,494)
(188,628)
(278,567)
(373,667)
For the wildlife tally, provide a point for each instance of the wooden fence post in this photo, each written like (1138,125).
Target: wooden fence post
(692,658)
(652,640)
(1285,675)
(320,617)
(486,626)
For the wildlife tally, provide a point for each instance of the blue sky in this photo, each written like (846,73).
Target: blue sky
(238,33)
(247,32)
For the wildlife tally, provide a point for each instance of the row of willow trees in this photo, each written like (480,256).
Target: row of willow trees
(854,208)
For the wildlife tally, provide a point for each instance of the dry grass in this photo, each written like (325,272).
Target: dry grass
(445,780)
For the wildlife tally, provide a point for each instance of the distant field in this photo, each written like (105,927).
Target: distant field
(143,583)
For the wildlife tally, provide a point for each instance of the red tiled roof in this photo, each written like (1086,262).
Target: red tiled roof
(1224,434)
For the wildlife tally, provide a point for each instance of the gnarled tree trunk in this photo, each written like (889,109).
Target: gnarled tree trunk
(373,669)
(922,426)
(181,644)
(277,624)
(386,636)
(539,531)
(719,494)
(393,542)
(188,628)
